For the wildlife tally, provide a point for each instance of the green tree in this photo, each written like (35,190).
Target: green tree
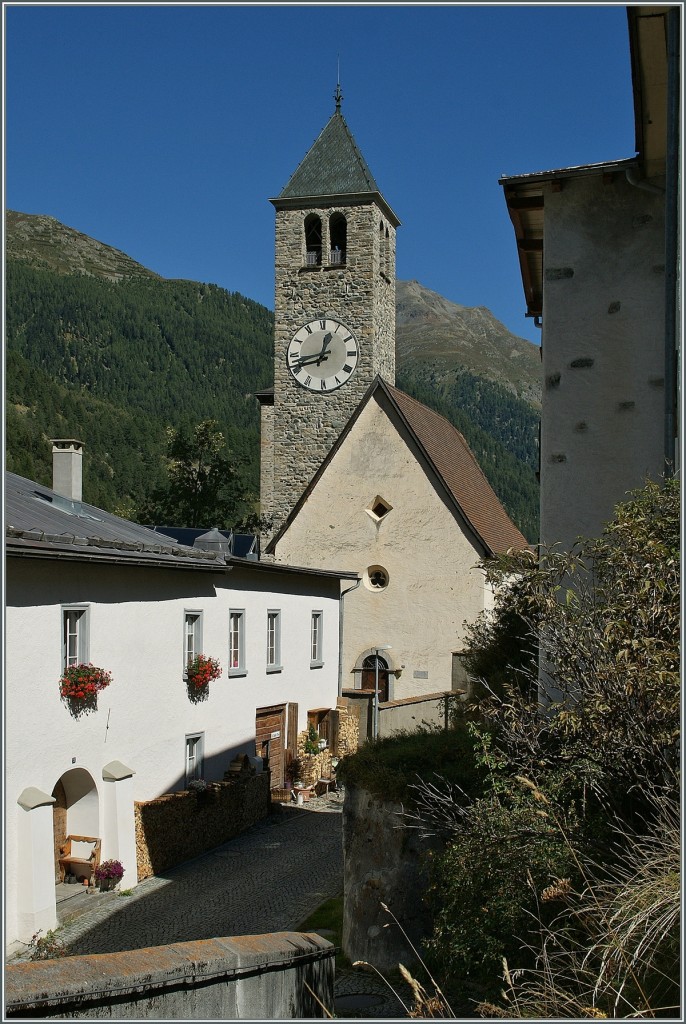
(204,488)
(579,784)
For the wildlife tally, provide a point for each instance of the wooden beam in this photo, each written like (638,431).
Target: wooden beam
(530,244)
(525,203)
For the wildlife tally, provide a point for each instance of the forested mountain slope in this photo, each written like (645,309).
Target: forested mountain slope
(101,349)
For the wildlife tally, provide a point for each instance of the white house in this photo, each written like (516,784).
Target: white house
(85,586)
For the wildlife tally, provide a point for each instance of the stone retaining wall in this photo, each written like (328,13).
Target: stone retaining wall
(254,977)
(383,862)
(178,826)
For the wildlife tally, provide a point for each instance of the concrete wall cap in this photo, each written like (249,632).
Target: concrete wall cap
(116,771)
(31,798)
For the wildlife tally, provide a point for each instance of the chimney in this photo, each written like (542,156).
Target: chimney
(67,469)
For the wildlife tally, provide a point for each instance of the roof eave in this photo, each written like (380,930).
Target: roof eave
(581,170)
(336,199)
(526,191)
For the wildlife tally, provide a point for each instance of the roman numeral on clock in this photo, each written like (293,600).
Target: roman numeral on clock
(322,324)
(347,368)
(307,381)
(322,386)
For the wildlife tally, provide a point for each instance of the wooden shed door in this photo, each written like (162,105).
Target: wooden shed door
(270,740)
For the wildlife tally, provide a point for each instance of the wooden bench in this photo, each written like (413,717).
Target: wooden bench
(80,856)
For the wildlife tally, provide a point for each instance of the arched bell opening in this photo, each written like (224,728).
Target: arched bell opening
(313,240)
(338,238)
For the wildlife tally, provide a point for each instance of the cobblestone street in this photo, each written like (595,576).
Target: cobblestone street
(268,879)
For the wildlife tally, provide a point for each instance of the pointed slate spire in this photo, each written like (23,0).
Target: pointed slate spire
(333,165)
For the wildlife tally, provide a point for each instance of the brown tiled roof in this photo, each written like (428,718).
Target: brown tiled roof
(447,449)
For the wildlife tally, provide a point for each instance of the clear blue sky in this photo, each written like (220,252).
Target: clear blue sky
(163,130)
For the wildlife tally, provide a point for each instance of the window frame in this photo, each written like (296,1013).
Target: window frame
(82,611)
(197,615)
(316,638)
(199,758)
(275,664)
(239,669)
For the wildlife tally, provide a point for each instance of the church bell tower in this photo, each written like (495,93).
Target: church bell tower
(334,310)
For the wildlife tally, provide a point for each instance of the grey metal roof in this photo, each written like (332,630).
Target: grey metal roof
(41,524)
(36,513)
(333,166)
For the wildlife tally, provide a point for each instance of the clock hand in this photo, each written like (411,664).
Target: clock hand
(322,354)
(306,360)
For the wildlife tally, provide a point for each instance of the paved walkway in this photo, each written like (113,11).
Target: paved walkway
(268,879)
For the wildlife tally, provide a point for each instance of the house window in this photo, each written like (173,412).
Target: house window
(236,642)
(273,641)
(192,636)
(74,636)
(316,640)
(194,756)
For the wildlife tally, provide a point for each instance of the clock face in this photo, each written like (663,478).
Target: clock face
(323,355)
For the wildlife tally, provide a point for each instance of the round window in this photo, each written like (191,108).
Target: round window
(376,578)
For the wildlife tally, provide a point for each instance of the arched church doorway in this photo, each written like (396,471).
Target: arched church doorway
(368,680)
(75,811)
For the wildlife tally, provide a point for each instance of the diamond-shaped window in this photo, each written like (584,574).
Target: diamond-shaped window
(379,508)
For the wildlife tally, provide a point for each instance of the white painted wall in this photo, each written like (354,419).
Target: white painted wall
(435,583)
(142,719)
(602,425)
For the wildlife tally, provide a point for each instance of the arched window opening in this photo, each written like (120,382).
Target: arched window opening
(338,237)
(369,670)
(313,240)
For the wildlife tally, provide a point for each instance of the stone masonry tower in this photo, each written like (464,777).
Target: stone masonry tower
(334,311)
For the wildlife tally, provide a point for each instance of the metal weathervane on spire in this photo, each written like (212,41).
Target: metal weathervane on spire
(338,95)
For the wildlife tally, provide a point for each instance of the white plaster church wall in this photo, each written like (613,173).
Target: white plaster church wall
(435,584)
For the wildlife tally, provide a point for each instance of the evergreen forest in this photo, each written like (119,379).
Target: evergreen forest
(117,363)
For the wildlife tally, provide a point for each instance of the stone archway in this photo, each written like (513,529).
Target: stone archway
(76,810)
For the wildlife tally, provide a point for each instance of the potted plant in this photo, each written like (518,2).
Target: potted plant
(200,671)
(312,740)
(80,686)
(108,874)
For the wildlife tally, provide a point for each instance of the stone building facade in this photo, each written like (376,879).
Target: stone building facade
(334,266)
